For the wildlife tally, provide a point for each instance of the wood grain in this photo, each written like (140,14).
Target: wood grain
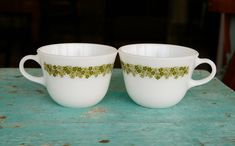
(29,117)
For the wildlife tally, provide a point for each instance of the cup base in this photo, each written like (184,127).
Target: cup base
(78,105)
(156,101)
(156,106)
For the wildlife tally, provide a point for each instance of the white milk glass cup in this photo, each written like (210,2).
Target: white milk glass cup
(75,74)
(159,75)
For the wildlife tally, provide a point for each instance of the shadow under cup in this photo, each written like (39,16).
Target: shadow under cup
(159,75)
(75,74)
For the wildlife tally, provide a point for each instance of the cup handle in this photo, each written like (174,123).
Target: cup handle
(39,80)
(193,83)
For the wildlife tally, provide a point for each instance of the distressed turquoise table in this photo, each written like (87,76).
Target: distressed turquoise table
(29,117)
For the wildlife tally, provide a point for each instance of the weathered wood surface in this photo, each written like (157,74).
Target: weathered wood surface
(29,117)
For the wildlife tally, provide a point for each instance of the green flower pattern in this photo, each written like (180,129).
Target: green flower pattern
(157,73)
(78,72)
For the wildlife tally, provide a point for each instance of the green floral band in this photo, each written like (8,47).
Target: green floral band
(76,71)
(157,73)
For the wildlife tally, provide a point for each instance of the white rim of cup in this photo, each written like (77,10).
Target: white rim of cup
(112,52)
(122,48)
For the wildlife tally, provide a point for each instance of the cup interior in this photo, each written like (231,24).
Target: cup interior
(77,49)
(158,50)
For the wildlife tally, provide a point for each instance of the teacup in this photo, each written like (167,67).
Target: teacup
(159,75)
(75,74)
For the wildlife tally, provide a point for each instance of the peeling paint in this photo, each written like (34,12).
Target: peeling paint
(40,91)
(104,141)
(18,76)
(228,115)
(2,117)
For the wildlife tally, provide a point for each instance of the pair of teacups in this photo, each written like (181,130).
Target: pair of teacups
(155,75)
